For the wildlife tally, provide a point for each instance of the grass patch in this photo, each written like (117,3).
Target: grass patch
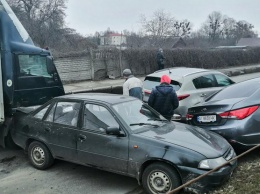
(246,177)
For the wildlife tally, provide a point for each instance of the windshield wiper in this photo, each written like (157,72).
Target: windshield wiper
(141,124)
(157,119)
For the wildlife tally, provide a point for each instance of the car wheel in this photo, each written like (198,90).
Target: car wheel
(160,178)
(39,155)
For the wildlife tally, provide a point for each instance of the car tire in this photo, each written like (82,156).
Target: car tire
(39,155)
(160,178)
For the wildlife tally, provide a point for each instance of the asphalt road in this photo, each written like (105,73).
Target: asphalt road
(18,177)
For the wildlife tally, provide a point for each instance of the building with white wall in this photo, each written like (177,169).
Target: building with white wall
(113,39)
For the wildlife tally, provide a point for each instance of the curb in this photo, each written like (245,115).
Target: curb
(240,71)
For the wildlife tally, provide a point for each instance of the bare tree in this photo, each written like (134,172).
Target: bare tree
(135,40)
(243,29)
(44,19)
(219,27)
(182,28)
(213,27)
(162,25)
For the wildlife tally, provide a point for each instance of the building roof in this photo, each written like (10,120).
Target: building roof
(249,42)
(166,43)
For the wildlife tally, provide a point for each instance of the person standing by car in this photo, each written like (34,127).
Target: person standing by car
(160,59)
(163,98)
(132,86)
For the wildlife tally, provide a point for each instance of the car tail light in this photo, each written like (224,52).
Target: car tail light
(147,92)
(182,97)
(189,117)
(239,113)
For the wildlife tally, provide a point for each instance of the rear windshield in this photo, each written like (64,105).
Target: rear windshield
(239,90)
(151,82)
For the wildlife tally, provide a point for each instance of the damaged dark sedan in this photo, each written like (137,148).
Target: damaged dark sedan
(232,113)
(122,134)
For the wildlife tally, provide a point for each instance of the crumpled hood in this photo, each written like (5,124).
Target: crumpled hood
(164,89)
(27,110)
(194,138)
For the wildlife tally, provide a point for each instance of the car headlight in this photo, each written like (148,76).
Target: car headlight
(211,163)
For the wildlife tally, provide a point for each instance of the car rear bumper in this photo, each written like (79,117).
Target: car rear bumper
(208,182)
(245,133)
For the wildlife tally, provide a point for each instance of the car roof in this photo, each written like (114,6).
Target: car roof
(177,73)
(101,97)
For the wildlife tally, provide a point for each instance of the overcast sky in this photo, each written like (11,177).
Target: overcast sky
(89,16)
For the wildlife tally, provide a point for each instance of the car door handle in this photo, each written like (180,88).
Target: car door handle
(203,95)
(82,138)
(47,129)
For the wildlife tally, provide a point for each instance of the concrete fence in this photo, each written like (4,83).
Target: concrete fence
(94,65)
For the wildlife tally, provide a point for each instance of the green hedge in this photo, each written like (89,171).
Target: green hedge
(144,61)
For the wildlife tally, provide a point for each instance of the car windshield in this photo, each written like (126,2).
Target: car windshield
(151,82)
(138,115)
(239,90)
(33,65)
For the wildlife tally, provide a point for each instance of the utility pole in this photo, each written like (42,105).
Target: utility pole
(120,55)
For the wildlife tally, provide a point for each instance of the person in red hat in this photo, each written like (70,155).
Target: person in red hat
(163,98)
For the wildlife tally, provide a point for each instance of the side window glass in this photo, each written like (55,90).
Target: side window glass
(206,81)
(41,113)
(98,118)
(223,80)
(32,65)
(51,114)
(67,113)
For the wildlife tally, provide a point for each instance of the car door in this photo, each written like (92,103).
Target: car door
(205,86)
(61,126)
(95,147)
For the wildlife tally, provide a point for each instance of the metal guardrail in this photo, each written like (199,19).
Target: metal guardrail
(213,170)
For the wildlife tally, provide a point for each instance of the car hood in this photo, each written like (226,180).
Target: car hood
(27,110)
(194,138)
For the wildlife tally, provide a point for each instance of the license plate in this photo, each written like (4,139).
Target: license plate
(206,118)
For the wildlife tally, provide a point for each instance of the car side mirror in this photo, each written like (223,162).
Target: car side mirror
(50,65)
(113,131)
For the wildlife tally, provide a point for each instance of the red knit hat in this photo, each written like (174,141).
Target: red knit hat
(165,79)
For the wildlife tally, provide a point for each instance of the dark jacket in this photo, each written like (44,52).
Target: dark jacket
(160,58)
(164,100)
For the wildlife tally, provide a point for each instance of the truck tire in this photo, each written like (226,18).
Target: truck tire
(160,178)
(40,156)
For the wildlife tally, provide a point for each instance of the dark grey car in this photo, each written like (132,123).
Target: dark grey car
(233,113)
(122,134)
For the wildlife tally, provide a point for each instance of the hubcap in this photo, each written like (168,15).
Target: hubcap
(38,155)
(159,182)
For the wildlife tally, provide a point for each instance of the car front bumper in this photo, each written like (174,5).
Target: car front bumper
(207,183)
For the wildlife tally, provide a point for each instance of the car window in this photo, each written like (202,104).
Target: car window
(41,113)
(205,81)
(50,116)
(222,80)
(66,113)
(98,118)
(151,82)
(137,112)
